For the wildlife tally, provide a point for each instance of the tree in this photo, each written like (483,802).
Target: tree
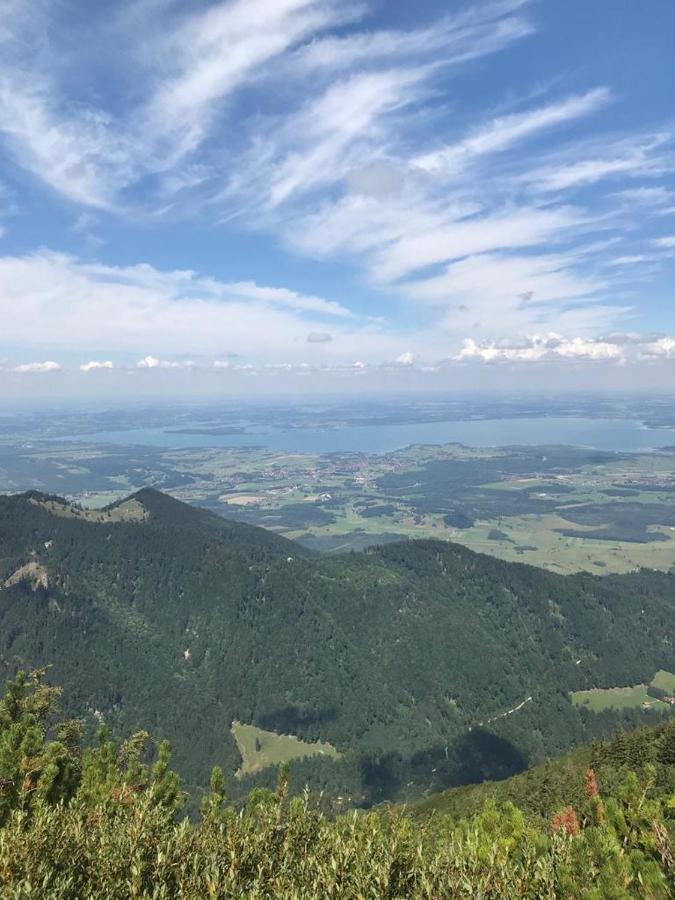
(32,767)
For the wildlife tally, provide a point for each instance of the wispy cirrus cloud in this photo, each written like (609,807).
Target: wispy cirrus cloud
(192,66)
(452,40)
(311,123)
(585,163)
(502,133)
(211,53)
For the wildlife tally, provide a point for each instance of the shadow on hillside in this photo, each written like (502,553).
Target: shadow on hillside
(476,756)
(291,719)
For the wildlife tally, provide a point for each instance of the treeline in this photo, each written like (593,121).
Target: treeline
(106,822)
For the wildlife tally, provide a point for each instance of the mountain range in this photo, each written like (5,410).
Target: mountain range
(416,665)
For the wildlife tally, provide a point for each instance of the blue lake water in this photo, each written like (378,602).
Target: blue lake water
(602,434)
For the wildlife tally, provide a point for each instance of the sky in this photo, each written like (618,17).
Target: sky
(306,195)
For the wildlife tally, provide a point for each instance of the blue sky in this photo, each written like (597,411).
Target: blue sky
(233,195)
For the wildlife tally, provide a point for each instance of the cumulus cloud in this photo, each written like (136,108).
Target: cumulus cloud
(491,352)
(319,337)
(37,367)
(614,348)
(151,362)
(96,364)
(539,347)
(407,358)
(148,362)
(580,348)
(661,347)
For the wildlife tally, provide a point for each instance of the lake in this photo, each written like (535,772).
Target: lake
(601,434)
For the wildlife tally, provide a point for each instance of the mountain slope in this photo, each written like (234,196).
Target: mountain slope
(422,663)
(546,788)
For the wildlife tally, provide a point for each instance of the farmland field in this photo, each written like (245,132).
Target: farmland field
(564,508)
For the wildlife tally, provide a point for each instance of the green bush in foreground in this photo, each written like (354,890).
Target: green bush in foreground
(104,823)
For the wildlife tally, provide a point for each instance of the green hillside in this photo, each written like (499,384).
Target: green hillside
(561,781)
(422,664)
(107,821)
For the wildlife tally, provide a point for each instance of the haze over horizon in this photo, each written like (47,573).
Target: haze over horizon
(312,195)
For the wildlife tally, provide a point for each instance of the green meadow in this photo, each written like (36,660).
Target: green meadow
(599,699)
(260,748)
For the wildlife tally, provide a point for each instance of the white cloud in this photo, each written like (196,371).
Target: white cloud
(330,135)
(406,358)
(491,352)
(249,290)
(585,163)
(307,122)
(620,348)
(506,229)
(668,242)
(184,71)
(631,259)
(216,50)
(646,197)
(504,132)
(95,364)
(76,306)
(80,154)
(37,367)
(495,292)
(151,362)
(91,155)
(454,39)
(579,348)
(664,346)
(148,362)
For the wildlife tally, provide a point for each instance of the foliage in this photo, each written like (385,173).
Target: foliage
(112,831)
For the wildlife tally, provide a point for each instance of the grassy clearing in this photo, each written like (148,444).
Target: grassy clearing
(129,511)
(260,748)
(101,499)
(665,681)
(598,699)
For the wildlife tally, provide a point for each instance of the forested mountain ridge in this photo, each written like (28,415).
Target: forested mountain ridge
(423,663)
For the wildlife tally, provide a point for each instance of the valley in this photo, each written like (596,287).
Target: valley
(564,508)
